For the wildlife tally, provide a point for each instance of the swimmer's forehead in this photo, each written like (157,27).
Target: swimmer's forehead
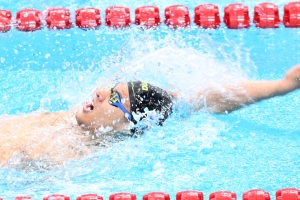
(104,88)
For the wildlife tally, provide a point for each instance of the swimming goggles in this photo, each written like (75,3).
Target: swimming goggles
(115,100)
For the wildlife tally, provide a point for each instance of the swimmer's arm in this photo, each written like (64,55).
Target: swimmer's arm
(232,97)
(260,90)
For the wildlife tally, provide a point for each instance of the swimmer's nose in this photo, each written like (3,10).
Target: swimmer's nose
(99,97)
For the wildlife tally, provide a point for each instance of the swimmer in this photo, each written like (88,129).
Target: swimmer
(119,109)
(130,102)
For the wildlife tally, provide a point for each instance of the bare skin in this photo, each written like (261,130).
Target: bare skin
(59,137)
(254,91)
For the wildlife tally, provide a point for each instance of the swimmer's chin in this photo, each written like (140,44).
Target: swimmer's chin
(96,129)
(87,127)
(81,122)
(83,125)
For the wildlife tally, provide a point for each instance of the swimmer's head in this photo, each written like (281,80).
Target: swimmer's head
(100,113)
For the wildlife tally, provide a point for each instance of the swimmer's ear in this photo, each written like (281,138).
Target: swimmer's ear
(174,94)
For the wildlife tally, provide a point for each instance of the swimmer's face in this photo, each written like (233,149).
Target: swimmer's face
(98,113)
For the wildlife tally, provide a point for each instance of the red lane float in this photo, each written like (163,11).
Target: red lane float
(256,194)
(266,15)
(23,198)
(29,20)
(222,195)
(236,16)
(122,196)
(207,16)
(288,194)
(147,16)
(58,18)
(117,16)
(5,20)
(89,197)
(56,197)
(189,195)
(291,16)
(87,17)
(156,196)
(177,16)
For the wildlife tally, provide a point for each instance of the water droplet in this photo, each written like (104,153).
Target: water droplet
(47,56)
(2,60)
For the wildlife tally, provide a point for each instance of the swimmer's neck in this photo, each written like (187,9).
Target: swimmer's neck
(60,118)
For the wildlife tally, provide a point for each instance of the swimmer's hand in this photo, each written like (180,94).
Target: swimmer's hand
(292,77)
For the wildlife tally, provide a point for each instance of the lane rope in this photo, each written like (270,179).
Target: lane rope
(206,16)
(255,194)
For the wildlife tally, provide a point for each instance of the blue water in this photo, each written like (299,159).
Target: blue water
(255,147)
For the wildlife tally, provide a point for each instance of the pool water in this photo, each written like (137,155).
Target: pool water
(254,147)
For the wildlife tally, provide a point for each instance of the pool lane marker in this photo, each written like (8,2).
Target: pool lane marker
(254,194)
(236,16)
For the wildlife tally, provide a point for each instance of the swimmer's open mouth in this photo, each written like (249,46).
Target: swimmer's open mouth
(88,107)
